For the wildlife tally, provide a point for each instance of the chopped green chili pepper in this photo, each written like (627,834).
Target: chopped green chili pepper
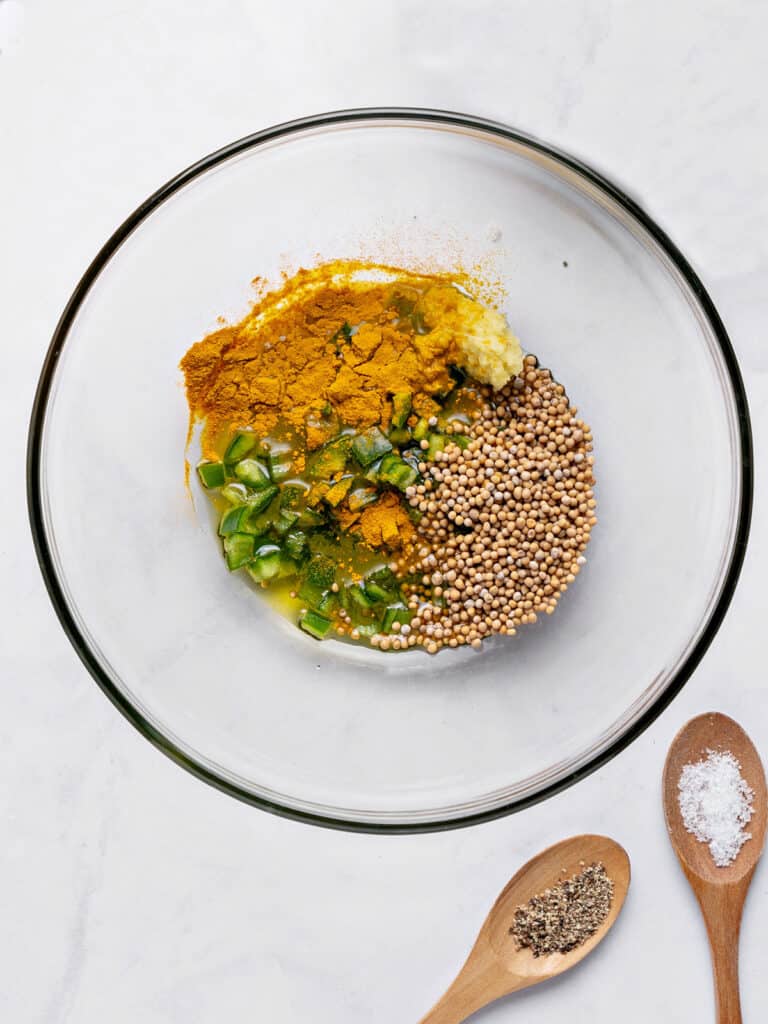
(384,576)
(295,545)
(309,518)
(235,519)
(397,472)
(378,593)
(280,464)
(286,519)
(360,497)
(436,444)
(251,472)
(262,498)
(356,596)
(400,436)
(211,474)
(238,548)
(338,491)
(310,594)
(327,602)
(267,563)
(370,445)
(461,440)
(234,493)
(332,458)
(321,571)
(316,625)
(345,332)
(395,613)
(291,495)
(239,446)
(372,473)
(421,430)
(401,407)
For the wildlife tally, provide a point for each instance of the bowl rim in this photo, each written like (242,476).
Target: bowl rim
(413,115)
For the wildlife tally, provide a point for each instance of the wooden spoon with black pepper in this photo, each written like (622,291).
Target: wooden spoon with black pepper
(721,891)
(497,965)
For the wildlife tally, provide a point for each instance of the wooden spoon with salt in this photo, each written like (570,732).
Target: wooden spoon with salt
(721,891)
(496,967)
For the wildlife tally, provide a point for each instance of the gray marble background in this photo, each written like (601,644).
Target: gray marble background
(130,892)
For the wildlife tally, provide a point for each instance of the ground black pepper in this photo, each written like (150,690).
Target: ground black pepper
(563,917)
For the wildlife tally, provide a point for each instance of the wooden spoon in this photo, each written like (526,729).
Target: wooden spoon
(720,891)
(496,967)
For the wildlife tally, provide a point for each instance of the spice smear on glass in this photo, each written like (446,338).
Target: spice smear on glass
(565,916)
(716,804)
(385,463)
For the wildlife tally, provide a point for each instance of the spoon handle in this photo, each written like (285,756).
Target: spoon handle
(476,985)
(722,907)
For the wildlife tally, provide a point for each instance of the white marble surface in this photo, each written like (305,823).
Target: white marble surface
(130,892)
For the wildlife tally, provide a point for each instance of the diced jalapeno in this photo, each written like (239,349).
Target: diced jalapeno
(234,520)
(327,602)
(397,472)
(360,497)
(461,440)
(332,458)
(377,593)
(266,562)
(285,520)
(262,498)
(309,518)
(370,445)
(372,472)
(280,464)
(401,407)
(291,495)
(320,571)
(355,596)
(310,594)
(436,444)
(400,436)
(239,447)
(384,576)
(395,613)
(421,430)
(234,493)
(338,491)
(295,545)
(212,474)
(252,473)
(382,585)
(314,624)
(238,548)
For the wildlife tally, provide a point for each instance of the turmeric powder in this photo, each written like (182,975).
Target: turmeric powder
(326,336)
(385,524)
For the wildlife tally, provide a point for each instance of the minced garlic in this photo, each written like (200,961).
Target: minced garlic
(489,351)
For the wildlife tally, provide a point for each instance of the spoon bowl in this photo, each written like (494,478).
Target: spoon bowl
(496,966)
(720,891)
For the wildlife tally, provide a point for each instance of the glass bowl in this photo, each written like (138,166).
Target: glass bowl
(326,732)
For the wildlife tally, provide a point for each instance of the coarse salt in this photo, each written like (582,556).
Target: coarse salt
(716,803)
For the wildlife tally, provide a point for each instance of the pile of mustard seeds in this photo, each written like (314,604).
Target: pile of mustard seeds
(505,520)
(565,916)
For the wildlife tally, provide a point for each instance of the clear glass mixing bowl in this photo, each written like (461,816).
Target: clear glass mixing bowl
(326,732)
